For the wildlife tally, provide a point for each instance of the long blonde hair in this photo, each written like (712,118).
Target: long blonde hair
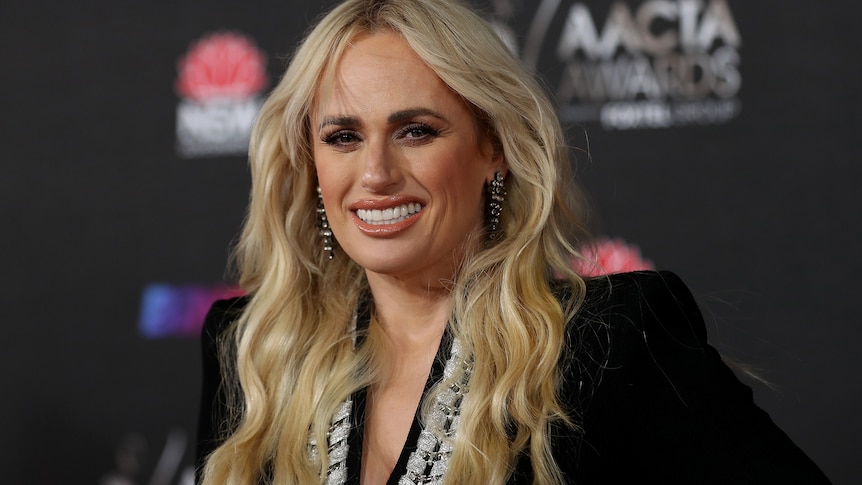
(295,333)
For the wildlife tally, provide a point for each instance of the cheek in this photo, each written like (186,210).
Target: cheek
(328,172)
(335,185)
(465,178)
(461,182)
(327,182)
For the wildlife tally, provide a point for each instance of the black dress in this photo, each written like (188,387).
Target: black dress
(655,403)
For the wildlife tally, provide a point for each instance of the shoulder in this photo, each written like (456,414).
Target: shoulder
(214,407)
(643,293)
(644,307)
(631,327)
(221,315)
(641,329)
(625,314)
(653,292)
(216,325)
(652,396)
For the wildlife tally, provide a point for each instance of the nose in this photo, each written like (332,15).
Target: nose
(380,168)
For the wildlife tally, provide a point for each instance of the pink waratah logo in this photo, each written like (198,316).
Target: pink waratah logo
(223,64)
(219,82)
(608,256)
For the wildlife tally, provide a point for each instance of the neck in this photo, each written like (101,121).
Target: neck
(412,318)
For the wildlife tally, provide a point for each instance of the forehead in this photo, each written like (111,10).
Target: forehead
(369,51)
(377,69)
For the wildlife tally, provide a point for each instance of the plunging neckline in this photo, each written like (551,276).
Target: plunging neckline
(357,426)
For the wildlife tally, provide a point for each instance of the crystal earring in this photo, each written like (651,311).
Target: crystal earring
(496,195)
(323,225)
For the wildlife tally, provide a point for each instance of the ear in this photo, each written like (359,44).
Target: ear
(491,147)
(496,162)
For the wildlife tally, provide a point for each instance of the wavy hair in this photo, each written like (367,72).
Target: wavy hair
(296,331)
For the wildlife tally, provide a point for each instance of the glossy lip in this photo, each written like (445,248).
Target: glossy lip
(385,230)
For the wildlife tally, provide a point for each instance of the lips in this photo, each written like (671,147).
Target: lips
(386,217)
(392,215)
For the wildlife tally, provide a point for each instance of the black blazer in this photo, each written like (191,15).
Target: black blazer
(654,402)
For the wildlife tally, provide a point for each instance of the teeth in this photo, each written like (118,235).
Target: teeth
(377,217)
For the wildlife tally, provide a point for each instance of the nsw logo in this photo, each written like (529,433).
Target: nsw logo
(220,82)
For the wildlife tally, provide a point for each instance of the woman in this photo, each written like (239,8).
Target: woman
(412,313)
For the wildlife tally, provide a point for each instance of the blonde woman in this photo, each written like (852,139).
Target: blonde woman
(411,313)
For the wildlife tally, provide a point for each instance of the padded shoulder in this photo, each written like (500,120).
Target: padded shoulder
(645,307)
(212,405)
(656,402)
(653,293)
(626,317)
(220,315)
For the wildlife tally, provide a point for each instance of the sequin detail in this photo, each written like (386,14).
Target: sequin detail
(429,462)
(337,446)
(426,465)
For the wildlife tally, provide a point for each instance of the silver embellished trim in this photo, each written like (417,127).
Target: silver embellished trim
(337,445)
(428,463)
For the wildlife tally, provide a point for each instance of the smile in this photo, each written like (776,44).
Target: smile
(377,217)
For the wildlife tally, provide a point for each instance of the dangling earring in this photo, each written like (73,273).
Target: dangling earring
(323,225)
(496,195)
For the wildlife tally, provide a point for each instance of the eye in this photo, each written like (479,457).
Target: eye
(416,132)
(341,138)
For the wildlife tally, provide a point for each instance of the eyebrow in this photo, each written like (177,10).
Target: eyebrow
(347,121)
(395,118)
(406,114)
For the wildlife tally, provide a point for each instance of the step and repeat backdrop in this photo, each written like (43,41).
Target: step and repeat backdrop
(716,138)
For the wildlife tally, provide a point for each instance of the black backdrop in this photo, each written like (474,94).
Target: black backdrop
(114,238)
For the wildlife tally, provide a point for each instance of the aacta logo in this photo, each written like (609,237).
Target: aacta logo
(652,64)
(220,81)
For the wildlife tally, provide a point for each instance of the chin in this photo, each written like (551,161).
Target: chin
(389,265)
(406,266)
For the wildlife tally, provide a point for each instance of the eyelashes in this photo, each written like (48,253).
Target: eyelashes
(410,134)
(417,131)
(340,138)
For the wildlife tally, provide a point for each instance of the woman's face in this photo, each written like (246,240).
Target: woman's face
(400,163)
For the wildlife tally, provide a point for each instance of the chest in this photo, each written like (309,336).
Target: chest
(389,415)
